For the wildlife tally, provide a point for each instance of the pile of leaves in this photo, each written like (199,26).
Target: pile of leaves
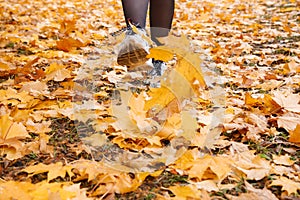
(223,122)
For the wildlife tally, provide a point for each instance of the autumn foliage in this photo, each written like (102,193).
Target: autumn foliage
(223,122)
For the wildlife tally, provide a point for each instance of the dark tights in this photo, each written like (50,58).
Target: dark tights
(161,15)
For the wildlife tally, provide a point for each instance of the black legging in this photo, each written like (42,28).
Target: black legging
(161,15)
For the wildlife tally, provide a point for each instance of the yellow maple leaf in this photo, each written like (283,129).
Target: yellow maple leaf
(67,25)
(189,67)
(13,97)
(12,148)
(159,98)
(112,177)
(124,122)
(54,170)
(252,165)
(270,106)
(40,191)
(295,134)
(287,185)
(127,184)
(161,53)
(249,100)
(42,127)
(59,75)
(292,67)
(15,190)
(10,129)
(266,102)
(188,63)
(188,192)
(68,44)
(206,167)
(52,191)
(4,66)
(35,88)
(219,166)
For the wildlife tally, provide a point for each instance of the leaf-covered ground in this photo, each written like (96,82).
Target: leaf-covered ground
(66,131)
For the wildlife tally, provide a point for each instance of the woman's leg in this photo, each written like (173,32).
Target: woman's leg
(135,11)
(161,16)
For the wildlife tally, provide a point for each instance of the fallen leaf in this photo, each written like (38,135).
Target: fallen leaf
(95,140)
(59,75)
(263,194)
(54,170)
(255,167)
(68,44)
(283,160)
(287,185)
(210,167)
(10,129)
(41,190)
(288,122)
(11,148)
(35,88)
(207,185)
(289,102)
(295,134)
(187,192)
(43,127)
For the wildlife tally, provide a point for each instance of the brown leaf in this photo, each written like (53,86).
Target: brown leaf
(67,26)
(68,44)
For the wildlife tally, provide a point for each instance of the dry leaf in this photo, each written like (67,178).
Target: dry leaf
(41,190)
(54,170)
(95,140)
(283,160)
(288,122)
(68,44)
(187,192)
(287,185)
(207,185)
(289,102)
(10,129)
(295,134)
(58,65)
